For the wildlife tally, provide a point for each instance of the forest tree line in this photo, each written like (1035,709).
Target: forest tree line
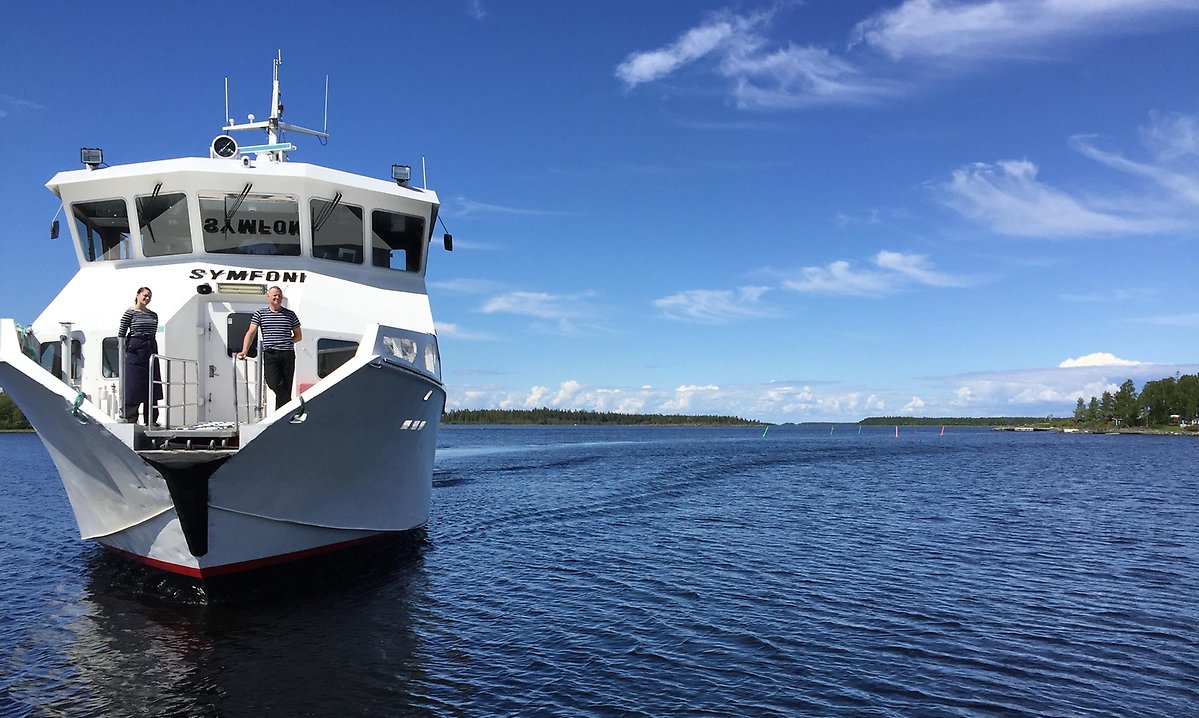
(551,417)
(1159,401)
(11,418)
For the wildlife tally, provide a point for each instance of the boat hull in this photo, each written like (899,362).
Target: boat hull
(350,461)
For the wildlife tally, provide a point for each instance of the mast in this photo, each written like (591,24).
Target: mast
(274,149)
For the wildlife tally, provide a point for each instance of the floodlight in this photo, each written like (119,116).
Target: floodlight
(91,156)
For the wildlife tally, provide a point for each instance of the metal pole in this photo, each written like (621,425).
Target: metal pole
(236,410)
(121,378)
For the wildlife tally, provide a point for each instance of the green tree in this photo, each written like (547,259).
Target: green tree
(1080,410)
(1107,406)
(11,418)
(1093,409)
(1124,404)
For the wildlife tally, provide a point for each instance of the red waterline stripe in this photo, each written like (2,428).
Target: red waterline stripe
(243,565)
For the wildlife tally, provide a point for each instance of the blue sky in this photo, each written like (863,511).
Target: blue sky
(791,211)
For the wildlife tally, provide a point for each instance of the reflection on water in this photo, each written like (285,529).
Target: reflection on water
(130,644)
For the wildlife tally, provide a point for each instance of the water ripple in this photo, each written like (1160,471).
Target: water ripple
(657,572)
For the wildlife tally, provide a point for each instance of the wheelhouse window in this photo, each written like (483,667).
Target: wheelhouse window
(397,240)
(164,224)
(332,353)
(337,230)
(245,223)
(103,229)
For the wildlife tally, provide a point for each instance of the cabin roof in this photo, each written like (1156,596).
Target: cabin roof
(225,169)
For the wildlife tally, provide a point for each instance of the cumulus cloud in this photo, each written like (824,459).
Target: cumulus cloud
(891,272)
(712,306)
(1098,359)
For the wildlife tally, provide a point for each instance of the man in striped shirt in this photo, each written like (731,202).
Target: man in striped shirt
(280,328)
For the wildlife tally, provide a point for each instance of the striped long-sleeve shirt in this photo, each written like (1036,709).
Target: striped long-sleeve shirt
(141,323)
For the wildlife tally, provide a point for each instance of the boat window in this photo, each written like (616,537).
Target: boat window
(110,362)
(419,350)
(103,229)
(250,224)
(164,224)
(396,240)
(332,353)
(50,357)
(76,362)
(336,230)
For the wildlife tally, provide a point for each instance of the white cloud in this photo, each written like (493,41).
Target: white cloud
(724,31)
(759,75)
(1030,392)
(539,304)
(467,208)
(801,77)
(1182,183)
(936,29)
(1171,136)
(917,268)
(903,42)
(449,329)
(839,278)
(1174,320)
(1098,359)
(1008,198)
(466,286)
(893,270)
(711,306)
(10,105)
(476,9)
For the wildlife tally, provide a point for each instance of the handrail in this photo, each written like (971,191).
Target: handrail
(170,386)
(254,411)
(121,376)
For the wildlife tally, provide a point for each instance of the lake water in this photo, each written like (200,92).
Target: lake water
(575,571)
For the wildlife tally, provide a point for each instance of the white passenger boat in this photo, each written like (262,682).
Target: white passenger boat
(222,483)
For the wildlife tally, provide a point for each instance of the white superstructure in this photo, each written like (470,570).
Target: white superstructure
(220,483)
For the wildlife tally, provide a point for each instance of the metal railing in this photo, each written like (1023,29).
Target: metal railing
(254,408)
(180,393)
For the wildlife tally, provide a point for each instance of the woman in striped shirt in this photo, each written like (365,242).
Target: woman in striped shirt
(139,328)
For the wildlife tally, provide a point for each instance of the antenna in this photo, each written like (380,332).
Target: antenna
(226,119)
(424,176)
(274,124)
